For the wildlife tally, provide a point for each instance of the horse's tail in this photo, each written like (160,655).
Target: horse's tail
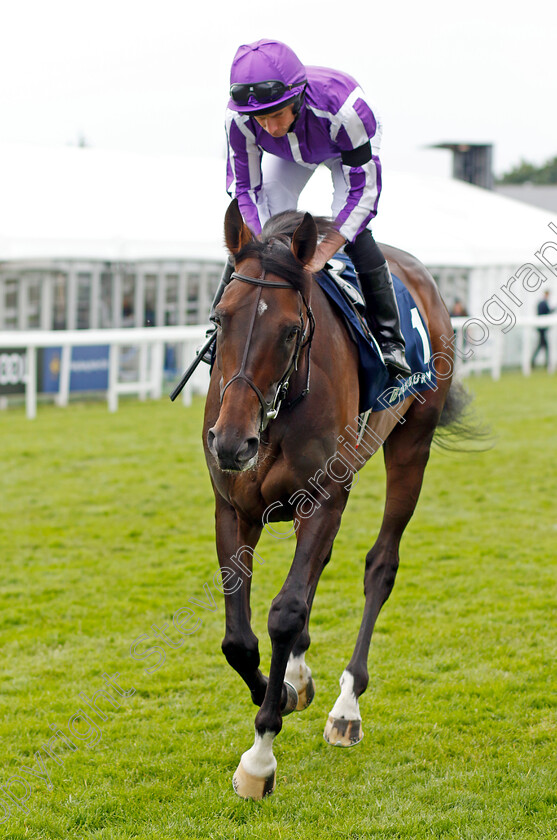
(457,423)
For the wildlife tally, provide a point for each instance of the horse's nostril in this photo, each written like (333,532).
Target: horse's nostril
(248,449)
(210,439)
(229,454)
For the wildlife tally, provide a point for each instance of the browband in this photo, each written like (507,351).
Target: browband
(260,281)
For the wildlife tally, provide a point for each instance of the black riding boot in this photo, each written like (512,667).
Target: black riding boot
(224,280)
(384,319)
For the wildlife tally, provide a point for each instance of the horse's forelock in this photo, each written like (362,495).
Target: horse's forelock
(276,258)
(272,249)
(284,224)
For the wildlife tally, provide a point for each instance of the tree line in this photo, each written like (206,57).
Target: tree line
(528,172)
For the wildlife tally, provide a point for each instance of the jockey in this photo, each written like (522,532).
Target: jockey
(283,120)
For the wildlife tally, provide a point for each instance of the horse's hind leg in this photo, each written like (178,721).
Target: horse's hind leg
(406,452)
(297,671)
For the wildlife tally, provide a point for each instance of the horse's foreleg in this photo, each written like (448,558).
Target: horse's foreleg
(235,543)
(298,672)
(406,453)
(288,617)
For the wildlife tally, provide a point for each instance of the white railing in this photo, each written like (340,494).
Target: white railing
(492,354)
(150,342)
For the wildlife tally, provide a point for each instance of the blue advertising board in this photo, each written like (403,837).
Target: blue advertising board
(88,368)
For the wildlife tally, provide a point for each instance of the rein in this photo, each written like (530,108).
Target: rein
(271,408)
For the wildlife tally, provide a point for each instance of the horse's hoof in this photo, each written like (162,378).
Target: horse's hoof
(340,732)
(306,695)
(252,787)
(291,703)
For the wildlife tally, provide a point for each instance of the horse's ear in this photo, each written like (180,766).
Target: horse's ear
(304,241)
(236,232)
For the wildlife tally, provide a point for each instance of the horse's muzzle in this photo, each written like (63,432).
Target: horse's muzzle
(231,454)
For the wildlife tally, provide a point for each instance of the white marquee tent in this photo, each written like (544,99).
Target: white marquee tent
(73,202)
(84,203)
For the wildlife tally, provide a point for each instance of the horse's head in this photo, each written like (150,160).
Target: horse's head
(264,321)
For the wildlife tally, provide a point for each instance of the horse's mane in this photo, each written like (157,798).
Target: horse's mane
(272,248)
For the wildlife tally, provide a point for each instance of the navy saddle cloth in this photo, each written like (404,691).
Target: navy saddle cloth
(377,391)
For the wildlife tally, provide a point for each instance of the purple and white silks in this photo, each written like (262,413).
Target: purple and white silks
(334,117)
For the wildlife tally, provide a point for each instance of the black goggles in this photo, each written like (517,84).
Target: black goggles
(263,92)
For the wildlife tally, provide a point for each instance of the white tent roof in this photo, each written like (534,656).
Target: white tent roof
(91,203)
(446,222)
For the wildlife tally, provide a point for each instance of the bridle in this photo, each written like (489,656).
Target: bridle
(270,409)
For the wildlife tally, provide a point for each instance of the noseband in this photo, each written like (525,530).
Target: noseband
(270,409)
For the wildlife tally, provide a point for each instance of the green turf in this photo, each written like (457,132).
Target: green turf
(107,528)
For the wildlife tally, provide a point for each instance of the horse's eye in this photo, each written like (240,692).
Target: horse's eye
(215,319)
(293,334)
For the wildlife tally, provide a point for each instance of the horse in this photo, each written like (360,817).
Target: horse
(282,444)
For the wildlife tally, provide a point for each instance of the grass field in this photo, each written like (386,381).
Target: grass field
(107,529)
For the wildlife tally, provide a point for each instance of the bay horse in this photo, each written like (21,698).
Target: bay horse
(281,345)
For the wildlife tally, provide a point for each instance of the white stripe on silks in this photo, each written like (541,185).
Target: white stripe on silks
(365,204)
(228,119)
(254,160)
(325,115)
(261,201)
(333,120)
(241,121)
(252,150)
(254,168)
(377,137)
(350,119)
(296,153)
(232,185)
(231,155)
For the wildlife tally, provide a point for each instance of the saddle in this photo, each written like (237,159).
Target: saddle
(340,284)
(338,270)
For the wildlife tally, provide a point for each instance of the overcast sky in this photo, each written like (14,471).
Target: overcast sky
(153,76)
